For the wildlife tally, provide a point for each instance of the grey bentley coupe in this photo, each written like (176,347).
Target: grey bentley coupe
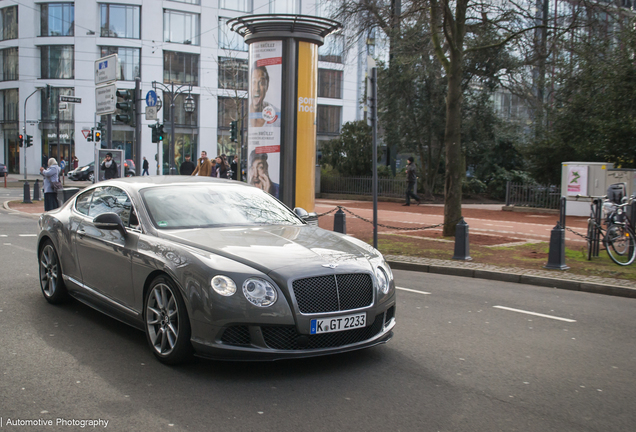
(215,268)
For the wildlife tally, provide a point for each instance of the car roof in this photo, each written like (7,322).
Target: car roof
(141,182)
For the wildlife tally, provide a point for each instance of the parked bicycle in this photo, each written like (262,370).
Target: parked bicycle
(618,237)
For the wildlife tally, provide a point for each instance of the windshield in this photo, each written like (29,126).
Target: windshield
(203,206)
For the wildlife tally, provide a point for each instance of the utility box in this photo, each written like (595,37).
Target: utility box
(580,181)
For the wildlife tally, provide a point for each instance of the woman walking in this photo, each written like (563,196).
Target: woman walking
(51,175)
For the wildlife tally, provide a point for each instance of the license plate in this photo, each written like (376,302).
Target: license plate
(340,323)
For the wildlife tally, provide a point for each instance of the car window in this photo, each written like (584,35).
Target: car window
(83,202)
(109,199)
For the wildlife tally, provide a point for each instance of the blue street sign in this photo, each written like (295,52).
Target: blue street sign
(151,98)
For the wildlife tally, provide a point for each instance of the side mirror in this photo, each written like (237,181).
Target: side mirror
(301,212)
(109,221)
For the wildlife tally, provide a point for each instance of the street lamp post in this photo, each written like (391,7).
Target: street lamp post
(189,107)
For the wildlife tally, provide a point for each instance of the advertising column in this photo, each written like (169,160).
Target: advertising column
(306,125)
(264,126)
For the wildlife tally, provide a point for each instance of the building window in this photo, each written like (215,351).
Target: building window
(229,39)
(57,62)
(120,21)
(181,117)
(284,6)
(180,68)
(193,2)
(9,22)
(329,119)
(10,105)
(49,107)
(233,73)
(180,27)
(330,83)
(129,61)
(10,64)
(237,5)
(57,19)
(332,50)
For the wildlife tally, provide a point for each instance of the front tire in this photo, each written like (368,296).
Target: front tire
(167,323)
(620,244)
(51,280)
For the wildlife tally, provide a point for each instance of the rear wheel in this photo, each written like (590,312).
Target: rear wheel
(91,177)
(167,322)
(620,244)
(51,280)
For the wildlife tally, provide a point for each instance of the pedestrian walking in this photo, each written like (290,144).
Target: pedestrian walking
(411,180)
(144,166)
(204,166)
(51,177)
(109,166)
(234,167)
(221,168)
(187,167)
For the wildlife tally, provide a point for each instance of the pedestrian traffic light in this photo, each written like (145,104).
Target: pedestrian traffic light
(126,106)
(233,131)
(89,138)
(160,132)
(21,140)
(155,134)
(98,136)
(29,140)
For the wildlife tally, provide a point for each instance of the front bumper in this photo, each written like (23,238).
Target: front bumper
(269,343)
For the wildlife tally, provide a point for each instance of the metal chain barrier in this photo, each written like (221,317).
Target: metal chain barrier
(578,234)
(381,225)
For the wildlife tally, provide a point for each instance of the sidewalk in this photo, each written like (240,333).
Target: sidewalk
(545,278)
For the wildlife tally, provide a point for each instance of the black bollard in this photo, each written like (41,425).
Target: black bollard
(27,194)
(36,190)
(340,222)
(461,241)
(556,255)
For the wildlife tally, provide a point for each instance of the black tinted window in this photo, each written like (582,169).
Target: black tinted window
(83,202)
(110,199)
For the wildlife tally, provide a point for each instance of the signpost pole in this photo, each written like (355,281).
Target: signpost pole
(109,131)
(137,155)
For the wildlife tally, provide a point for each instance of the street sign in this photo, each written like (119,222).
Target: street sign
(151,98)
(86,133)
(106,69)
(62,106)
(106,99)
(151,113)
(70,99)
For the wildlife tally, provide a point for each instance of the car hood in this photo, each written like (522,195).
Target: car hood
(274,248)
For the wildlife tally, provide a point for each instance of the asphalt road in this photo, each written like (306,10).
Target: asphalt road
(459,362)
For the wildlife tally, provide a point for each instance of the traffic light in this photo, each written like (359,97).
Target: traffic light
(29,140)
(21,140)
(89,138)
(126,107)
(98,135)
(160,132)
(155,137)
(233,131)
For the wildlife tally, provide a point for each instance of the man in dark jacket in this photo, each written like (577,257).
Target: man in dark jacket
(187,167)
(144,166)
(109,166)
(411,180)
(234,167)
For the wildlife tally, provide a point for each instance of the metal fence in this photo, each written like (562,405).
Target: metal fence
(387,187)
(537,196)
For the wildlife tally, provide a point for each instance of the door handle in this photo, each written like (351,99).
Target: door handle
(81,232)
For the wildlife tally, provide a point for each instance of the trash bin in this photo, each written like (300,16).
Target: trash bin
(65,194)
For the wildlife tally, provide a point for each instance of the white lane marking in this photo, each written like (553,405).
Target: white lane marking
(7,244)
(3,235)
(412,290)
(535,314)
(27,235)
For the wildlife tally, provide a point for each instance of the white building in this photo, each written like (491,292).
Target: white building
(182,41)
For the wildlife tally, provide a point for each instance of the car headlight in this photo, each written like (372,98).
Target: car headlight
(223,285)
(259,292)
(383,280)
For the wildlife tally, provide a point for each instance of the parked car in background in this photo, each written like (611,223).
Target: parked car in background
(3,170)
(87,172)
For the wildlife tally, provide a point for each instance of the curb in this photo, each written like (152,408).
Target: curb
(5,205)
(572,285)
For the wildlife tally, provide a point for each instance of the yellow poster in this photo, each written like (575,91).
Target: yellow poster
(306,125)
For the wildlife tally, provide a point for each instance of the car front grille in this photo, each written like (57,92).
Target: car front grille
(333,293)
(236,335)
(288,338)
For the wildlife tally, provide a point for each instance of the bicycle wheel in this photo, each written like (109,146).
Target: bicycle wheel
(620,244)
(590,239)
